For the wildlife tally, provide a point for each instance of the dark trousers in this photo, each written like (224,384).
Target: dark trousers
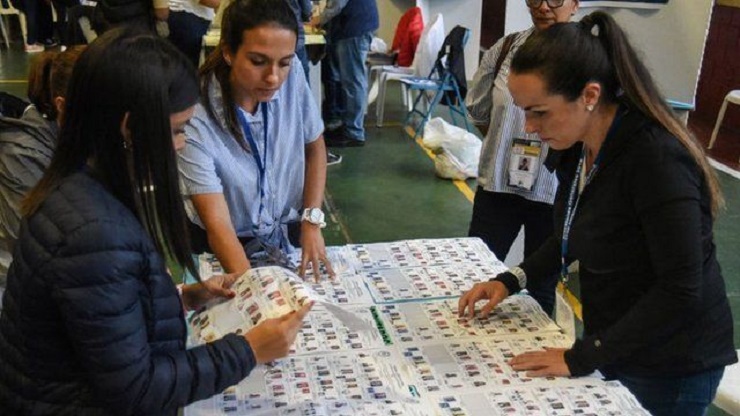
(673,396)
(497,218)
(186,33)
(39,21)
(199,238)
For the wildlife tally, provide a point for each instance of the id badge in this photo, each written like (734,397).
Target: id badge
(524,163)
(564,316)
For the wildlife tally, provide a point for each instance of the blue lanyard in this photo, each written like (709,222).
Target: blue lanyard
(574,196)
(260,161)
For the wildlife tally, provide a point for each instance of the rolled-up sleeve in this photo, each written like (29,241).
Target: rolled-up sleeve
(197,163)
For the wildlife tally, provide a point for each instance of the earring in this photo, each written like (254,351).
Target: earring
(126,145)
(228,62)
(590,107)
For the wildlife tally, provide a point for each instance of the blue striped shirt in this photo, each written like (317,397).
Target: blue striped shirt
(213,162)
(489,101)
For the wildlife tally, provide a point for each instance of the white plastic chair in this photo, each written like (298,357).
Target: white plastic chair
(429,44)
(9,11)
(731,97)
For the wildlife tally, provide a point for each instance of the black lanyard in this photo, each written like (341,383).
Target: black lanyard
(260,161)
(574,195)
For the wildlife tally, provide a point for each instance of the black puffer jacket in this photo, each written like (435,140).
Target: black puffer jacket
(92,323)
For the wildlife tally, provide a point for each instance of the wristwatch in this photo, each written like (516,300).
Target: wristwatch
(314,216)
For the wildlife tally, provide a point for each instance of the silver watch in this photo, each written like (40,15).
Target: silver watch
(314,216)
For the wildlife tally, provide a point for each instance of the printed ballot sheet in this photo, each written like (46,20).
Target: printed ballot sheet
(593,399)
(421,253)
(323,332)
(347,288)
(433,282)
(263,293)
(424,321)
(456,366)
(375,383)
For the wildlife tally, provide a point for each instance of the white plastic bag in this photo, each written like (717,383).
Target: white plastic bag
(378,45)
(458,150)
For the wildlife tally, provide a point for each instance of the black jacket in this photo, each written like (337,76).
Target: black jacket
(92,323)
(654,301)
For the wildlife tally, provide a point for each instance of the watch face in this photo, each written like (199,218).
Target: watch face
(316,216)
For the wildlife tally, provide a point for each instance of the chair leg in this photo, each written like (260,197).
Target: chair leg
(5,32)
(437,98)
(380,102)
(718,124)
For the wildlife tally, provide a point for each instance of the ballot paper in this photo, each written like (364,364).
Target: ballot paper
(370,383)
(432,282)
(433,320)
(592,399)
(478,364)
(347,288)
(263,293)
(420,253)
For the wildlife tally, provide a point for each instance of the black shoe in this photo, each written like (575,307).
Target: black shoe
(332,134)
(342,139)
(333,159)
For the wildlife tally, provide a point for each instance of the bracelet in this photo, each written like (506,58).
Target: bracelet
(521,276)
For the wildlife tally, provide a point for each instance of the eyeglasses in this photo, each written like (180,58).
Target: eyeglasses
(553,4)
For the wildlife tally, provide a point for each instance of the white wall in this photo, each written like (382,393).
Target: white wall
(390,12)
(466,13)
(670,39)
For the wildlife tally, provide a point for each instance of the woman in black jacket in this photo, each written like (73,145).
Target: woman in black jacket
(92,323)
(635,208)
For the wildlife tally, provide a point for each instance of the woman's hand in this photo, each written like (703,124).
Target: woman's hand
(493,291)
(547,363)
(198,294)
(272,338)
(313,251)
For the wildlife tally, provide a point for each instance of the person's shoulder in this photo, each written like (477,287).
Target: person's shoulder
(81,209)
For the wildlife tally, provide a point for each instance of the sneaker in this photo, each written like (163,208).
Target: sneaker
(333,159)
(49,43)
(34,48)
(342,139)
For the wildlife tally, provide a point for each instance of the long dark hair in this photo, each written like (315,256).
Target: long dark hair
(570,55)
(145,78)
(239,16)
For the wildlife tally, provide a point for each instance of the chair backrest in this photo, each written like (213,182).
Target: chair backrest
(429,44)
(7,8)
(449,67)
(408,33)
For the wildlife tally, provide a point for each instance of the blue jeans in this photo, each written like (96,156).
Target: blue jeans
(346,68)
(675,396)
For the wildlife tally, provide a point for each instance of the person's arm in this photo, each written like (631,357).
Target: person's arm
(213,4)
(97,290)
(214,214)
(202,184)
(313,248)
(665,192)
(479,99)
(161,10)
(332,10)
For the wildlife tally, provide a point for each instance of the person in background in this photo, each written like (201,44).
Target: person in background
(27,143)
(502,205)
(635,209)
(302,10)
(350,25)
(188,22)
(93,323)
(39,24)
(254,169)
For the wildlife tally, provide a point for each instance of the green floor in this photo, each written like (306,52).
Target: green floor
(387,191)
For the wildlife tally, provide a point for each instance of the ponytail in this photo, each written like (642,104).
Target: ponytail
(598,50)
